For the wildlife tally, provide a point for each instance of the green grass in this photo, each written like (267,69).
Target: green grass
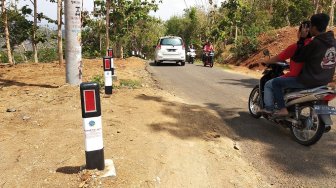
(131,84)
(99,80)
(123,83)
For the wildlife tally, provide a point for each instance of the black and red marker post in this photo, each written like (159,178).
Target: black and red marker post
(92,124)
(108,72)
(110,52)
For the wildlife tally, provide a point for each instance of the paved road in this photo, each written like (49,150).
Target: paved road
(266,146)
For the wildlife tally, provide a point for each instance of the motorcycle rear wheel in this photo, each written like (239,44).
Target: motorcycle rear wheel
(312,128)
(254,102)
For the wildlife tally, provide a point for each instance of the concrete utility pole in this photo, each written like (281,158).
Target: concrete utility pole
(73,48)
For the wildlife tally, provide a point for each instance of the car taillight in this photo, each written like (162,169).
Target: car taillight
(158,47)
(329,97)
(183,47)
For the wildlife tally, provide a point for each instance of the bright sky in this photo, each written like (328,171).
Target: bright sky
(166,9)
(170,8)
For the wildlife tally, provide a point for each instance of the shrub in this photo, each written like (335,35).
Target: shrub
(3,57)
(99,80)
(47,55)
(245,46)
(19,58)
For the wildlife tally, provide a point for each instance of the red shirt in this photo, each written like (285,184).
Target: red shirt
(294,67)
(208,48)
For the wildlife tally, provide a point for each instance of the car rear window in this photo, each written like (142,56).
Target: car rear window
(171,41)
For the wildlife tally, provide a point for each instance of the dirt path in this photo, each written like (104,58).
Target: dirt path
(154,138)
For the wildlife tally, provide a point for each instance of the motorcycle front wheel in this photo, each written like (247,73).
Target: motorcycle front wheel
(254,102)
(312,127)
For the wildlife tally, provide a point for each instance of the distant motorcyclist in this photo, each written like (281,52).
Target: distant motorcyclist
(207,48)
(191,54)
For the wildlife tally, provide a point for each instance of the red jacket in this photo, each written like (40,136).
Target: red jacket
(294,67)
(209,48)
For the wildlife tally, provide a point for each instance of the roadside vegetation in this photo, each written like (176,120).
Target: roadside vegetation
(233,27)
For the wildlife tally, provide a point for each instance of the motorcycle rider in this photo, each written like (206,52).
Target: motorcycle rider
(319,62)
(207,48)
(294,68)
(191,46)
(190,50)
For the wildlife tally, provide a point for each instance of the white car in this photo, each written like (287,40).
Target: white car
(170,48)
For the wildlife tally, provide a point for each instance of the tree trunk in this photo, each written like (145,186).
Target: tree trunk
(59,32)
(236,35)
(107,27)
(4,18)
(100,41)
(332,12)
(24,51)
(317,4)
(122,51)
(287,17)
(34,45)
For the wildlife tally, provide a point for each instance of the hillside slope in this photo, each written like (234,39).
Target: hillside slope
(275,41)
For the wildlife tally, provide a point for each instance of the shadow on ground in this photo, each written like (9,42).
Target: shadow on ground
(193,121)
(69,169)
(165,64)
(8,83)
(248,83)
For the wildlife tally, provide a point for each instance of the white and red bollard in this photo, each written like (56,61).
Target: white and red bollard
(108,72)
(92,124)
(110,52)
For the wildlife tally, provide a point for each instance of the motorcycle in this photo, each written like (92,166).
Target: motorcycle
(208,58)
(309,112)
(191,54)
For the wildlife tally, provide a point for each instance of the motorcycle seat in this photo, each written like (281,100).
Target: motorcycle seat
(305,90)
(292,93)
(290,90)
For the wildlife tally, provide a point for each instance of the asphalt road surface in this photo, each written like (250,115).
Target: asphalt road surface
(268,147)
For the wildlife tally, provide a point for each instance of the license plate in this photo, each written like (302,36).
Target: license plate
(323,109)
(171,50)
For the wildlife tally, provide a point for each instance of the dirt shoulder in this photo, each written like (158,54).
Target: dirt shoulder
(150,134)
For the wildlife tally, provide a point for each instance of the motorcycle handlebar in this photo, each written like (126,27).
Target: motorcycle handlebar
(281,63)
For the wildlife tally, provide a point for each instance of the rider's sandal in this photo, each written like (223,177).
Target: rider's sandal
(264,111)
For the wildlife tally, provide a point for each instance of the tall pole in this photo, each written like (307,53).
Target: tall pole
(108,6)
(73,48)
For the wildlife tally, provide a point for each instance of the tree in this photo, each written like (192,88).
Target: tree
(19,28)
(125,15)
(5,23)
(59,32)
(34,29)
(108,4)
(332,13)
